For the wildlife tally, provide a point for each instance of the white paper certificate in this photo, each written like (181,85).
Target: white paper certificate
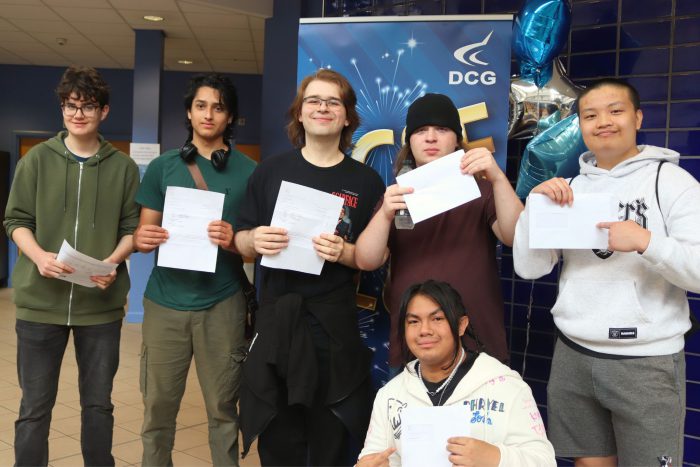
(84,266)
(186,214)
(305,213)
(425,431)
(438,187)
(571,227)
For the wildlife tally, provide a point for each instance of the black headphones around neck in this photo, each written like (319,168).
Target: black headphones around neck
(219,158)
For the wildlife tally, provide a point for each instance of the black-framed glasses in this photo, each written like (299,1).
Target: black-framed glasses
(315,101)
(88,110)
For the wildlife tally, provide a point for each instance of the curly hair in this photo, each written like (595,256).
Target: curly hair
(84,81)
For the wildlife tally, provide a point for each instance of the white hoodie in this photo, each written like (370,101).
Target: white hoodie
(503,413)
(628,303)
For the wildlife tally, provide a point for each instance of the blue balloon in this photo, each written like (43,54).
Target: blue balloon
(540,31)
(552,153)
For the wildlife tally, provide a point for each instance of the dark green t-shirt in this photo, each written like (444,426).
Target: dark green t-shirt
(194,290)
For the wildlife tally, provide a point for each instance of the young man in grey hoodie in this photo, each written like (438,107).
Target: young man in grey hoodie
(616,393)
(79,188)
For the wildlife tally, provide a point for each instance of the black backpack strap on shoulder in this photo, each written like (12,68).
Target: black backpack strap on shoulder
(656,186)
(656,190)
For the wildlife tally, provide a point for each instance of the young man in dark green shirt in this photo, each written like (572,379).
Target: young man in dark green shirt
(190,313)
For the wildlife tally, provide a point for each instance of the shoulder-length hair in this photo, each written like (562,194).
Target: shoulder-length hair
(295,130)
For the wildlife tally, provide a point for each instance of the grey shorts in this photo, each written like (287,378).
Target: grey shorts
(632,408)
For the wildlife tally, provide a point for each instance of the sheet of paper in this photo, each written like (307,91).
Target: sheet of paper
(186,214)
(84,265)
(144,153)
(305,213)
(425,431)
(438,187)
(571,227)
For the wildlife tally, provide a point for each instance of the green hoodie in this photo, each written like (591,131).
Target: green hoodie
(91,205)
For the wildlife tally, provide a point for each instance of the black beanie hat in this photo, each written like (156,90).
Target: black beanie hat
(433,109)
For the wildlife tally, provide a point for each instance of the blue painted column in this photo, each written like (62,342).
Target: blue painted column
(148,68)
(279,80)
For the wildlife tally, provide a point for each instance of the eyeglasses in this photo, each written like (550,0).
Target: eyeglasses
(88,110)
(315,101)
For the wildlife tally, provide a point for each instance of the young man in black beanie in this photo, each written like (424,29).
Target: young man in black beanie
(457,246)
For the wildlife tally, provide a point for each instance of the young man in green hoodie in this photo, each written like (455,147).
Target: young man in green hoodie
(79,188)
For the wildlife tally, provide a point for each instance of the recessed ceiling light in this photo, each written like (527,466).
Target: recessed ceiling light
(185,62)
(153,18)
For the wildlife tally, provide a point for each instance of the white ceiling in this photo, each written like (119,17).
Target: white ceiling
(217,35)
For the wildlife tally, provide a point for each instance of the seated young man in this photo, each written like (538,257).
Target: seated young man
(433,321)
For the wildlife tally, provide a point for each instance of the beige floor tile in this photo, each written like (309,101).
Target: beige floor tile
(69,426)
(200,452)
(122,435)
(129,397)
(7,457)
(133,426)
(127,413)
(7,436)
(70,461)
(192,416)
(188,438)
(61,411)
(185,459)
(129,453)
(63,446)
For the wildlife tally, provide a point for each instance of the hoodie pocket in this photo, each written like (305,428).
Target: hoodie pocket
(587,309)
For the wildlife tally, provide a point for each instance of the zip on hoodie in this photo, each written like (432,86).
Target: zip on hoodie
(75,238)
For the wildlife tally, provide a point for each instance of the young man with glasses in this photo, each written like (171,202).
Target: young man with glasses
(75,187)
(305,385)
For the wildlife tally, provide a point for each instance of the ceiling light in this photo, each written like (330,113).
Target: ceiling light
(185,62)
(153,18)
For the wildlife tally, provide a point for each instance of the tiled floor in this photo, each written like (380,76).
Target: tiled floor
(191,445)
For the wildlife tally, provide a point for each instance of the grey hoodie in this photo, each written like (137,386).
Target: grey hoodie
(628,303)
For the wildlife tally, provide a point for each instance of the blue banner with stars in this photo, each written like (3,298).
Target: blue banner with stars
(392,61)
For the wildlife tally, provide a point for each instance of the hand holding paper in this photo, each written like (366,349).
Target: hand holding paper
(438,187)
(426,431)
(572,227)
(470,451)
(626,236)
(84,267)
(304,213)
(187,214)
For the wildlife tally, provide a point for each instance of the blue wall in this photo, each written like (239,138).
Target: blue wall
(29,104)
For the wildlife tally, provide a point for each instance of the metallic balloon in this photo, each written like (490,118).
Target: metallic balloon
(534,109)
(552,153)
(540,31)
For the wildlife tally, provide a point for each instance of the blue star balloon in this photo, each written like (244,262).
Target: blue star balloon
(540,31)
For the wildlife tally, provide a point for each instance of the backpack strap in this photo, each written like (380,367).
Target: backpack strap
(656,189)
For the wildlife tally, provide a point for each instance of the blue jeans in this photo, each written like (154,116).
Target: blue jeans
(40,349)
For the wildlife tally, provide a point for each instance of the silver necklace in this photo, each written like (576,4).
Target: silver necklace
(447,381)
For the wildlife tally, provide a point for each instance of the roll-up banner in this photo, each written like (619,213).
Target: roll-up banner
(390,62)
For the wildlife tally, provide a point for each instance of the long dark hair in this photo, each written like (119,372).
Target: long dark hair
(450,303)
